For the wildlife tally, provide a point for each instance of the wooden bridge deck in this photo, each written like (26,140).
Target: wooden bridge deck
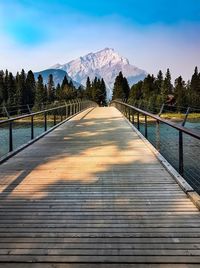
(92,192)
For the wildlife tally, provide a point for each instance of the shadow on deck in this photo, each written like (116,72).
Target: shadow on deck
(92,192)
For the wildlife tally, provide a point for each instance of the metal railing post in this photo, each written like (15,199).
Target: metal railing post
(10,137)
(54,117)
(32,128)
(138,121)
(45,121)
(181,169)
(61,116)
(158,135)
(133,120)
(157,142)
(161,109)
(77,106)
(74,109)
(145,132)
(66,110)
(186,116)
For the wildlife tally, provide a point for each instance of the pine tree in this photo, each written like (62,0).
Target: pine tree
(118,92)
(94,89)
(11,90)
(40,96)
(126,88)
(64,82)
(68,92)
(180,93)
(102,96)
(159,83)
(30,88)
(195,82)
(135,93)
(50,89)
(21,88)
(148,86)
(167,87)
(88,90)
(58,92)
(148,92)
(71,84)
(194,89)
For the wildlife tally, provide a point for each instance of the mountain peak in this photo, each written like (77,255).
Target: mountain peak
(110,56)
(106,64)
(107,49)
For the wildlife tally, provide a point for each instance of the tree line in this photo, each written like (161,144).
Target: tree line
(153,91)
(96,90)
(23,89)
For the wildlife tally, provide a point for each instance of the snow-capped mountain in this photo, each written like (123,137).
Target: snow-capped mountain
(105,64)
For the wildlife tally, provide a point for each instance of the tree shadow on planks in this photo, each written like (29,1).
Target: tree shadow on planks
(68,145)
(85,192)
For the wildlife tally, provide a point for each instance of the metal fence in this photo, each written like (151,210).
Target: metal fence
(7,112)
(16,131)
(178,144)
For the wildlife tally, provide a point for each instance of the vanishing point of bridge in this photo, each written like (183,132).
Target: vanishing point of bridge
(92,194)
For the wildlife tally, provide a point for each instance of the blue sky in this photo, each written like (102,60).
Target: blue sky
(153,34)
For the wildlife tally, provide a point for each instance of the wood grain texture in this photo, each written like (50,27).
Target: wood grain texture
(92,194)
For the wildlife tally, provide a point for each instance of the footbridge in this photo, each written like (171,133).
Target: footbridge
(94,192)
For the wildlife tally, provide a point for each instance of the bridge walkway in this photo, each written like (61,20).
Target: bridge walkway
(92,194)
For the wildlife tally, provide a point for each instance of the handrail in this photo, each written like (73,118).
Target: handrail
(27,110)
(37,113)
(165,121)
(31,114)
(64,111)
(126,109)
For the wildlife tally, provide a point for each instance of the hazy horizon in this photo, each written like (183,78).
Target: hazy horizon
(153,35)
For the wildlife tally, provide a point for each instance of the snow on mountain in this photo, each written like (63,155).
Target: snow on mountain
(105,64)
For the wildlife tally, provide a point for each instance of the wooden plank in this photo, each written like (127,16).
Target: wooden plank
(98,235)
(95,265)
(100,252)
(104,240)
(91,191)
(100,226)
(99,246)
(101,259)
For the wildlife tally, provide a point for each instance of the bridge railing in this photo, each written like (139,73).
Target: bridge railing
(178,144)
(20,130)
